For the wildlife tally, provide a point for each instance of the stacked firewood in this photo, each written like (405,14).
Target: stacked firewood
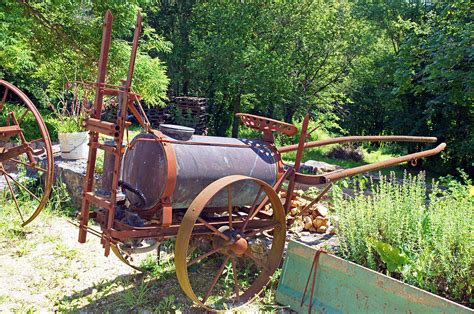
(192,112)
(157,116)
(313,218)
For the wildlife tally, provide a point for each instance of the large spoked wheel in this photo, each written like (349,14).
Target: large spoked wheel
(26,155)
(235,268)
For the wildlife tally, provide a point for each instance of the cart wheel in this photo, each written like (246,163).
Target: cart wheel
(26,158)
(234,271)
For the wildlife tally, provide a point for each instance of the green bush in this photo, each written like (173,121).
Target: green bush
(69,125)
(419,235)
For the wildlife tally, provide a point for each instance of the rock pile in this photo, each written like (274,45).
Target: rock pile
(314,218)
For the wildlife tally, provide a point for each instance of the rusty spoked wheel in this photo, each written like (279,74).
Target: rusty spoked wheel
(26,155)
(240,260)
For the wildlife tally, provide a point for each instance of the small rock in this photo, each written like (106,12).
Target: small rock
(320,221)
(298,226)
(320,166)
(331,230)
(322,229)
(293,211)
(308,223)
(323,210)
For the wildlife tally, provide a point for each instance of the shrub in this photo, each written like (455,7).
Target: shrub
(404,229)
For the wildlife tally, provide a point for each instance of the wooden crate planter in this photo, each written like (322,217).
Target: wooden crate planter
(345,287)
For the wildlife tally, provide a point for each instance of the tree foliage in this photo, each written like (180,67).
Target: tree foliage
(44,44)
(276,59)
(425,86)
(360,67)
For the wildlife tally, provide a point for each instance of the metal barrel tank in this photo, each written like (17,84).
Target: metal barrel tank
(198,163)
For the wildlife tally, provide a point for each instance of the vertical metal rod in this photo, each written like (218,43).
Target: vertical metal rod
(133,55)
(299,156)
(229,203)
(94,136)
(236,281)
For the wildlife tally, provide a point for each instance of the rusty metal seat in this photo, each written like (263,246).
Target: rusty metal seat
(267,125)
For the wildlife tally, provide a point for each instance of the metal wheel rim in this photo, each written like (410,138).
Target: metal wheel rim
(48,175)
(185,233)
(118,252)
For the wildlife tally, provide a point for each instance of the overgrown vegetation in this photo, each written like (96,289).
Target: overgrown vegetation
(415,232)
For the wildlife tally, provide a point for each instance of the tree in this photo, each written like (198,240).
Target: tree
(424,87)
(46,44)
(277,59)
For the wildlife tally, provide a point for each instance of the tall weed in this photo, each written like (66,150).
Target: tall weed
(420,235)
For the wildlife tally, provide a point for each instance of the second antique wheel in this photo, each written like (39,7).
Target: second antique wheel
(240,260)
(26,155)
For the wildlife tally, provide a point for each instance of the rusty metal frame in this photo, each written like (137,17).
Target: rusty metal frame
(13,129)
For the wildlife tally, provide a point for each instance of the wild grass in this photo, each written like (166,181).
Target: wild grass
(419,234)
(59,204)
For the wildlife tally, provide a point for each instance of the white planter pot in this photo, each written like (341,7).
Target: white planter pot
(74,145)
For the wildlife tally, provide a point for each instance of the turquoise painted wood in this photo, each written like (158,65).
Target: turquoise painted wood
(345,287)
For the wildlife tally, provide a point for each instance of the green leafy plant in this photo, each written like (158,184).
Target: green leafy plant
(393,258)
(69,125)
(167,304)
(419,233)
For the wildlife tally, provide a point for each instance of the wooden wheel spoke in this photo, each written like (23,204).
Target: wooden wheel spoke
(23,187)
(14,197)
(216,278)
(257,231)
(203,256)
(256,260)
(211,227)
(236,282)
(27,165)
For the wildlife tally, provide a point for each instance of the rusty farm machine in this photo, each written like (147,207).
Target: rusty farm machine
(170,183)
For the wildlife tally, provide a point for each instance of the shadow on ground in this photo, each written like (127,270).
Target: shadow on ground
(131,293)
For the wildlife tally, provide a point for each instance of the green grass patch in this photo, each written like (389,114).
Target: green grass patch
(59,204)
(417,233)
